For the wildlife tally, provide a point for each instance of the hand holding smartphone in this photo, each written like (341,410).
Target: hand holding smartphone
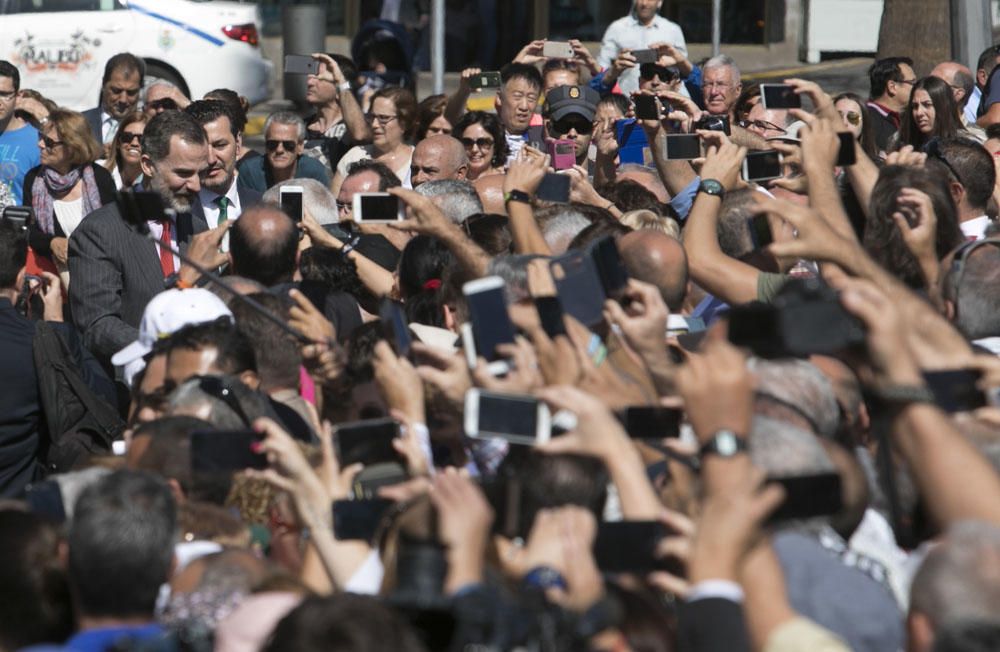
(779,96)
(298,64)
(485,80)
(291,202)
(377,208)
(489,323)
(522,420)
(366,442)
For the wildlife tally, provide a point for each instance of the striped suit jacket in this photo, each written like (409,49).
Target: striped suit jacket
(114,272)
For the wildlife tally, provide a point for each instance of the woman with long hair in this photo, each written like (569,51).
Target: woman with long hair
(931,113)
(126,151)
(851,108)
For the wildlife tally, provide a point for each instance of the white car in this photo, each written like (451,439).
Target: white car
(61,46)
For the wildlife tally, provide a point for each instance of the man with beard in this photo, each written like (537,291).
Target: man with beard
(115,269)
(219,199)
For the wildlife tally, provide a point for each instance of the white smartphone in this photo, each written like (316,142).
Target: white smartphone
(291,202)
(518,419)
(377,208)
(489,323)
(557,50)
(763,166)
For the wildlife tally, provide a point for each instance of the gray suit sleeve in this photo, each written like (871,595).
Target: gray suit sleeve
(95,289)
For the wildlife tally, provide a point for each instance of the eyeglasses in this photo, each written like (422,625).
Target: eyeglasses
(129,137)
(564,126)
(49,143)
(908,81)
(481,143)
(7,96)
(220,389)
(852,117)
(345,206)
(933,150)
(720,85)
(381,119)
(288,145)
(165,104)
(761,124)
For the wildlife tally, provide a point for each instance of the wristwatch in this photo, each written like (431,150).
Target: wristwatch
(344,85)
(517,195)
(712,187)
(724,443)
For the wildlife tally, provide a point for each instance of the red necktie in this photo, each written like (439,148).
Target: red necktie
(166,255)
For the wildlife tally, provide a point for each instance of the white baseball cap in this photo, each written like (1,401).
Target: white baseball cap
(167,313)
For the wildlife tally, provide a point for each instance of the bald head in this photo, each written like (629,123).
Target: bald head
(656,258)
(438,157)
(263,245)
(490,189)
(959,77)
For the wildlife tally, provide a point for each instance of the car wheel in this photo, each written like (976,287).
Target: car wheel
(157,72)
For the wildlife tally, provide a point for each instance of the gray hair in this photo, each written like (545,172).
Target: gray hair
(960,579)
(782,449)
(560,230)
(796,388)
(317,199)
(155,82)
(286,118)
(513,269)
(456,199)
(723,61)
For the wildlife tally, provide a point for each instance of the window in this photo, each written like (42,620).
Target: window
(39,6)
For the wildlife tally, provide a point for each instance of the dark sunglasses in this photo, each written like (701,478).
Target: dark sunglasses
(564,126)
(481,143)
(288,145)
(666,75)
(130,137)
(165,104)
(220,389)
(49,143)
(852,117)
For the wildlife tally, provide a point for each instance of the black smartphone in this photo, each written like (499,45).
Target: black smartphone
(762,166)
(366,442)
(651,421)
(297,64)
(847,154)
(19,216)
(359,519)
(225,451)
(956,390)
(291,202)
(646,56)
(490,321)
(550,313)
(579,287)
(760,231)
(808,496)
(395,327)
(715,123)
(646,107)
(682,147)
(779,96)
(630,547)
(554,188)
(485,80)
(610,266)
(139,206)
(754,326)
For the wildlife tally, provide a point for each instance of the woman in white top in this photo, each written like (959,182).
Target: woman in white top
(393,119)
(126,151)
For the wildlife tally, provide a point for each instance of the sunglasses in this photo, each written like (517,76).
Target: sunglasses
(564,126)
(166,104)
(49,143)
(481,143)
(666,75)
(129,137)
(852,117)
(288,145)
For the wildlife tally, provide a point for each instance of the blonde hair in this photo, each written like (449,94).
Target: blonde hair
(75,134)
(647,219)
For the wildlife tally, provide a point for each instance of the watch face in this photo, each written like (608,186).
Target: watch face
(711,186)
(727,444)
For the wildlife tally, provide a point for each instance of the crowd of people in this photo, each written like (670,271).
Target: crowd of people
(814,353)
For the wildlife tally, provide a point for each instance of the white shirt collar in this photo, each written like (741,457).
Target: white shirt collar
(209,198)
(975,228)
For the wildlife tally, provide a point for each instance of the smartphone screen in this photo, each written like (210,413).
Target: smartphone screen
(485,80)
(646,108)
(629,546)
(651,421)
(376,207)
(297,64)
(214,451)
(956,390)
(491,325)
(762,166)
(754,326)
(366,442)
(847,154)
(760,231)
(515,418)
(554,188)
(808,496)
(610,266)
(779,96)
(395,327)
(359,519)
(291,202)
(550,313)
(645,56)
(683,147)
(579,287)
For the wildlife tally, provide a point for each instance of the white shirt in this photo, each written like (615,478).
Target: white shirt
(210,206)
(628,32)
(156,229)
(972,105)
(109,127)
(975,228)
(69,214)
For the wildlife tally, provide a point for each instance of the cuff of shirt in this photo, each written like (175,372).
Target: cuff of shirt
(724,589)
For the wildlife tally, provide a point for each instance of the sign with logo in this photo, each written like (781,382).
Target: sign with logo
(54,56)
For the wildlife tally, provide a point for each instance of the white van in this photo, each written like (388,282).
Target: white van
(61,46)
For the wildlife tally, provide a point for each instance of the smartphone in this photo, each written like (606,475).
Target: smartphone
(760,231)
(610,266)
(291,202)
(550,313)
(19,216)
(847,154)
(762,166)
(214,451)
(366,442)
(682,147)
(377,208)
(579,286)
(808,496)
(554,188)
(485,80)
(298,64)
(630,547)
(651,421)
(754,326)
(646,107)
(395,327)
(557,50)
(633,147)
(646,56)
(563,153)
(956,390)
(515,418)
(359,519)
(779,96)
(489,323)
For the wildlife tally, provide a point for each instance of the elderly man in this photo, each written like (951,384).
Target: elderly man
(284,140)
(438,157)
(162,96)
(721,85)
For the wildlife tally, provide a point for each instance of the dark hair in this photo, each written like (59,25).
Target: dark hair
(430,109)
(205,111)
(169,452)
(360,349)
(269,260)
(125,62)
(234,102)
(490,231)
(490,123)
(523,71)
(975,167)
(333,269)
(347,67)
(867,138)
(967,636)
(276,352)
(121,544)
(744,103)
(386,177)
(342,622)
(993,131)
(598,230)
(13,253)
(988,56)
(977,303)
(424,260)
(628,195)
(35,605)
(882,238)
(164,126)
(568,65)
(406,107)
(7,69)
(946,122)
(234,352)
(619,100)
(114,160)
(883,71)
(647,623)
(733,231)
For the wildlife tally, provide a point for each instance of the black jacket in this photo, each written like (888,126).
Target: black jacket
(39,240)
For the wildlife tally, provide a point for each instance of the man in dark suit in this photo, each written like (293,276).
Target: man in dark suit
(220,198)
(115,270)
(120,86)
